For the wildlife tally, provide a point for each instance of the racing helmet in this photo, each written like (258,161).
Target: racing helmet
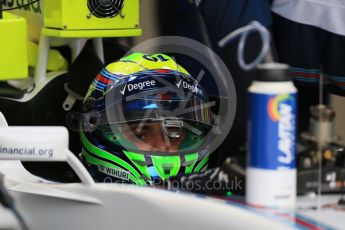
(145,119)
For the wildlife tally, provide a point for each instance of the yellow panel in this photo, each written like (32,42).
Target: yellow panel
(56,61)
(53,13)
(13,47)
(70,15)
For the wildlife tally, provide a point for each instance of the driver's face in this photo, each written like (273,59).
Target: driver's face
(151,138)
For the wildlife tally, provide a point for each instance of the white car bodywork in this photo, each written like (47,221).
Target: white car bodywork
(49,205)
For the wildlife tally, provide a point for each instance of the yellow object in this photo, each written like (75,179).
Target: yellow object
(328,155)
(56,61)
(73,18)
(13,47)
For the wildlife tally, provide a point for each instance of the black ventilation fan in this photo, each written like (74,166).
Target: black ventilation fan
(105,8)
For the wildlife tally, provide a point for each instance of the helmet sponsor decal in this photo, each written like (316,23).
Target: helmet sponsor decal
(137,86)
(193,88)
(121,174)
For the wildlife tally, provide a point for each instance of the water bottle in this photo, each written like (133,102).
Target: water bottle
(271,166)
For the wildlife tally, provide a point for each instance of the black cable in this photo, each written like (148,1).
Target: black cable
(18,7)
(7,201)
(19,218)
(5,198)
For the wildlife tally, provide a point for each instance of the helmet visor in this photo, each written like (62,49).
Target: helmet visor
(166,119)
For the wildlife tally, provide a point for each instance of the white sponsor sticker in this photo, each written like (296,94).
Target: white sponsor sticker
(118,173)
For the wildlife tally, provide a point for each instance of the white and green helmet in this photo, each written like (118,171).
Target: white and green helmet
(145,119)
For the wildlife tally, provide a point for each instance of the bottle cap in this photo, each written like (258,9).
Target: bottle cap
(272,72)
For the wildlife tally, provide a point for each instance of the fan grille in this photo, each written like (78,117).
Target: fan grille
(105,8)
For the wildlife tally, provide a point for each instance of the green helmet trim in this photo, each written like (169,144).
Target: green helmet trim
(166,166)
(101,153)
(204,168)
(191,159)
(97,162)
(139,161)
(201,164)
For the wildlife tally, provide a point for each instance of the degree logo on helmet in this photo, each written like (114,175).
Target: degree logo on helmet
(140,85)
(186,85)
